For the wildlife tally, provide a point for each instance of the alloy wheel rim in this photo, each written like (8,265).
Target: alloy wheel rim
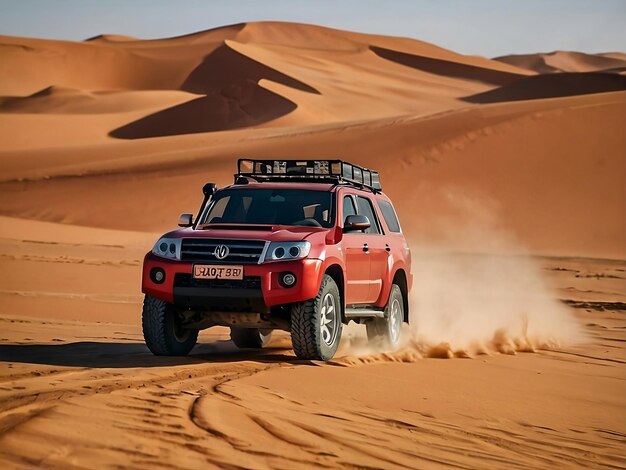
(328,320)
(395,321)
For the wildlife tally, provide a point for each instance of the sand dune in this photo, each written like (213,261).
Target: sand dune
(509,179)
(111,38)
(613,55)
(264,71)
(566,61)
(428,159)
(56,100)
(448,68)
(34,64)
(232,98)
(553,86)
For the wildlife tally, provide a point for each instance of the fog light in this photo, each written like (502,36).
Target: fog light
(288,279)
(157,275)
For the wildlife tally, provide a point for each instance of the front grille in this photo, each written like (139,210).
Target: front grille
(248,282)
(239,251)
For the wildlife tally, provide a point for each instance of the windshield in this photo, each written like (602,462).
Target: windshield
(271,207)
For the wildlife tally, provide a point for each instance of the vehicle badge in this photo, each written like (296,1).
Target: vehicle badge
(221,251)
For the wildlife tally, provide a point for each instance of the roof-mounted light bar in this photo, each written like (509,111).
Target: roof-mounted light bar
(336,171)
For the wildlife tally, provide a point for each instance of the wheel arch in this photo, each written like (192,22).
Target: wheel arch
(335,271)
(400,279)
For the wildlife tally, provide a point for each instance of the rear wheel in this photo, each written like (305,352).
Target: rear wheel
(163,330)
(316,324)
(386,331)
(253,338)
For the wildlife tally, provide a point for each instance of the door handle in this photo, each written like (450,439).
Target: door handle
(365,247)
(387,247)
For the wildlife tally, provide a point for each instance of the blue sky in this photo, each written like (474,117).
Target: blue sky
(483,27)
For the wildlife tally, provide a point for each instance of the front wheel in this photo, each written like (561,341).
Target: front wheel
(253,338)
(163,330)
(386,331)
(316,324)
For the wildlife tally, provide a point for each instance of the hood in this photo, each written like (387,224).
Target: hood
(273,233)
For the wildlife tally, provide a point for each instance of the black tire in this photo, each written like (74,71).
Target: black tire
(387,331)
(311,339)
(162,329)
(252,338)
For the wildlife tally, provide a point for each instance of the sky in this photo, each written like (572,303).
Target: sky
(480,27)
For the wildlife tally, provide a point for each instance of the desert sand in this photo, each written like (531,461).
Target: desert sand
(509,177)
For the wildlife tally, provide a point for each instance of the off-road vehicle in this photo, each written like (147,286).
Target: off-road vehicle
(301,246)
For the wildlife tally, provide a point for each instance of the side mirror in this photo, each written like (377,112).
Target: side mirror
(209,189)
(356,222)
(185,220)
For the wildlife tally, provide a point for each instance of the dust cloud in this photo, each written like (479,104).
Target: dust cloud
(475,291)
(466,304)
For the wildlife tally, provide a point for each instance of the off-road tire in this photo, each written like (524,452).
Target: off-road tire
(306,329)
(252,338)
(382,331)
(162,329)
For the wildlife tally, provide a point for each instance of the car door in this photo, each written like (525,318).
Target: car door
(357,259)
(377,246)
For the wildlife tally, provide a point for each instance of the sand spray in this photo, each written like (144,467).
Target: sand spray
(475,291)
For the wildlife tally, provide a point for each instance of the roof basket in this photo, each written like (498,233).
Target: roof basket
(333,171)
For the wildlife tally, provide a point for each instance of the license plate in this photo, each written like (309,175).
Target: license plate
(213,271)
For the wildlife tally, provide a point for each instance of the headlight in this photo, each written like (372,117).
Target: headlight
(167,248)
(286,251)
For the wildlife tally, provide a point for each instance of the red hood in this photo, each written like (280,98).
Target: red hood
(275,233)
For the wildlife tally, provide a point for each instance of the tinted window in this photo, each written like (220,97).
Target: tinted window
(348,207)
(389,215)
(217,211)
(366,209)
(270,206)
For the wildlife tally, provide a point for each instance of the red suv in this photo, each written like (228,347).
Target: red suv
(301,246)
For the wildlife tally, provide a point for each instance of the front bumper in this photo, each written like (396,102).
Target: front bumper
(259,291)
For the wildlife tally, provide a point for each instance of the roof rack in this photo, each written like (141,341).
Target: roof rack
(332,171)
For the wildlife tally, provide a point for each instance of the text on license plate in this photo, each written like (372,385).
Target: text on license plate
(208,271)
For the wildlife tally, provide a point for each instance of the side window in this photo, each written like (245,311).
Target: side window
(389,215)
(366,209)
(348,207)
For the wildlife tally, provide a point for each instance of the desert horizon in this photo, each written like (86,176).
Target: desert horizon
(509,179)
